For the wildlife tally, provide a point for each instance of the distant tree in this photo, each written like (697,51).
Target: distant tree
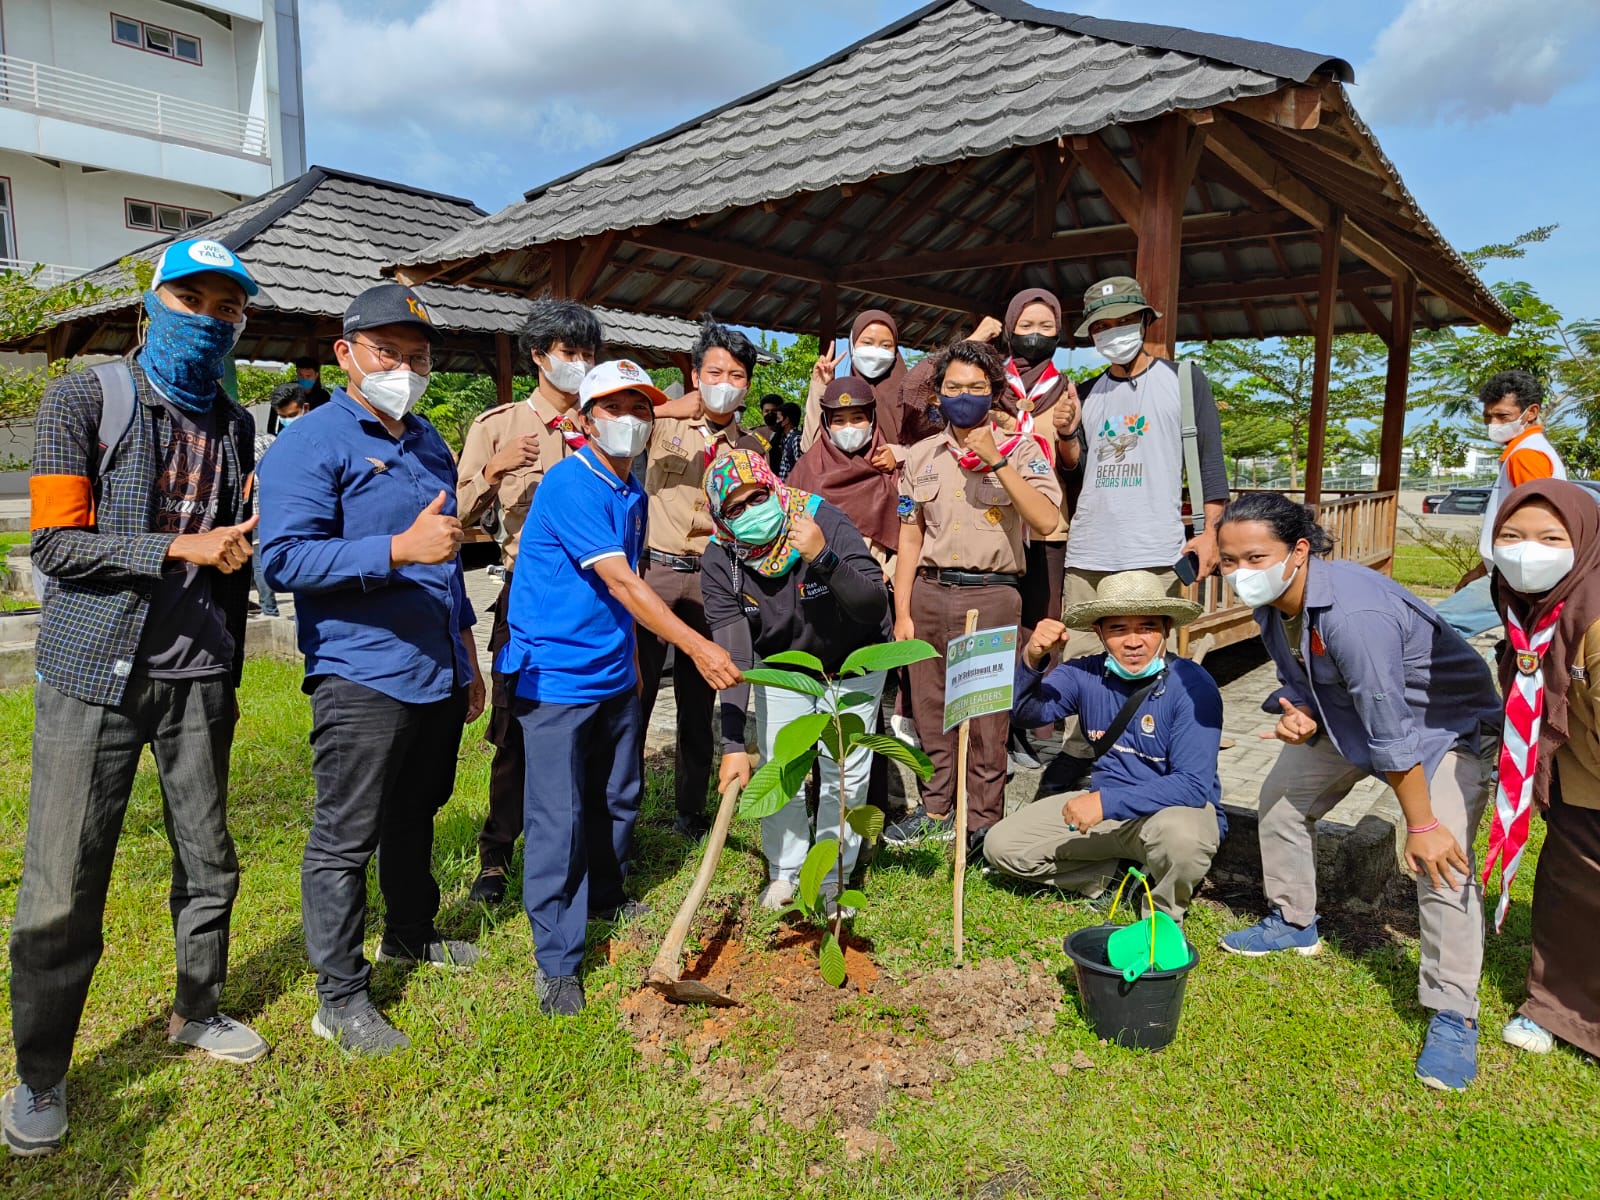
(790,375)
(454,400)
(1436,445)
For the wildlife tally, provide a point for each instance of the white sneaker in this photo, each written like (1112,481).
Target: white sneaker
(776,894)
(905,731)
(1528,1035)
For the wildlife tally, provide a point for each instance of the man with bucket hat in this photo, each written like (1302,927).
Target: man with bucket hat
(1153,721)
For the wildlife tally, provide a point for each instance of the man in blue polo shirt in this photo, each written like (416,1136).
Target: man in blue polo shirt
(575,598)
(358,521)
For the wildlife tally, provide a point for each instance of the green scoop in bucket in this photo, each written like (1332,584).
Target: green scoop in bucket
(1155,941)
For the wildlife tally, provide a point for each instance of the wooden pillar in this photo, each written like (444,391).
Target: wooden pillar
(1402,299)
(827,316)
(1166,166)
(560,271)
(685,365)
(1322,364)
(503,369)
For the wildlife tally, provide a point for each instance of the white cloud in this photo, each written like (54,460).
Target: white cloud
(558,75)
(1471,59)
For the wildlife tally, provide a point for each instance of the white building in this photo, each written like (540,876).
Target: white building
(122,120)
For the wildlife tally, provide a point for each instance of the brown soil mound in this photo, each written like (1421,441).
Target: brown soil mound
(845,1050)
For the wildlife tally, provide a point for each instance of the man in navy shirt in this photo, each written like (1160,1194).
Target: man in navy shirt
(1156,798)
(575,598)
(358,521)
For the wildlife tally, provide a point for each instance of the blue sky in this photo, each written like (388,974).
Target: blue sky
(1488,107)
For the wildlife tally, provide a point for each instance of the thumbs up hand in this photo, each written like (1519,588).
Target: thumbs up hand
(432,538)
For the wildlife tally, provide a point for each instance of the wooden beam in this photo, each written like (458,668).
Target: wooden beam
(1049,171)
(1289,108)
(1403,297)
(594,258)
(1322,362)
(560,270)
(1270,289)
(503,370)
(1163,156)
(1110,176)
(827,316)
(1369,310)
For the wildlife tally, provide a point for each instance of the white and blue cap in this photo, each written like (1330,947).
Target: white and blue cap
(193,256)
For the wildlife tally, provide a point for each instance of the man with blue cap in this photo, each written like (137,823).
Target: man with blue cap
(141,524)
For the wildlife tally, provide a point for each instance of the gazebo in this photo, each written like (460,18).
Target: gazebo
(979,146)
(313,245)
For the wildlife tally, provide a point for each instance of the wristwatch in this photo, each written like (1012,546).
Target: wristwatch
(826,561)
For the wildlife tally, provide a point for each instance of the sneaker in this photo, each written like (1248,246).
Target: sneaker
(628,910)
(903,730)
(1022,753)
(975,840)
(1449,1058)
(559,995)
(1528,1035)
(444,953)
(34,1122)
(828,895)
(219,1036)
(1273,933)
(917,826)
(489,887)
(356,1027)
(691,827)
(776,894)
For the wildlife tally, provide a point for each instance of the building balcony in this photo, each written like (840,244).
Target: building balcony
(49,91)
(45,275)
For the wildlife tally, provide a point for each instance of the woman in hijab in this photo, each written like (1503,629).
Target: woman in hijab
(874,358)
(839,467)
(1546,585)
(786,570)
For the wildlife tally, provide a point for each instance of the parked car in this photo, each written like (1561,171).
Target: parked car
(1458,502)
(1430,502)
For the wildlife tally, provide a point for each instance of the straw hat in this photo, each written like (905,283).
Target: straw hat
(1130,594)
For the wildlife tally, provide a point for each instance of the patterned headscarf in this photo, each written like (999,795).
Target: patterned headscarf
(733,471)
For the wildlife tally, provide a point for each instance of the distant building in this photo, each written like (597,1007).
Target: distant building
(126,121)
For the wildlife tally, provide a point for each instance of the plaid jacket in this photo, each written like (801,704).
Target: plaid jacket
(93,536)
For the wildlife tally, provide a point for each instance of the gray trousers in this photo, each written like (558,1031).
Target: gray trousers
(1307,781)
(84,760)
(1175,845)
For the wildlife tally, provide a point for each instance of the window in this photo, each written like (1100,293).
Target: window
(169,43)
(8,237)
(161,218)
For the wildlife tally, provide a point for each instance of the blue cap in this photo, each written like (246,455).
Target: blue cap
(194,255)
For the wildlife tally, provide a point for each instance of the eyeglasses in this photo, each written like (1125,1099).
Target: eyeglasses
(390,359)
(735,508)
(975,389)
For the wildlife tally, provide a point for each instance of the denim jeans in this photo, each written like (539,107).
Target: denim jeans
(383,768)
(1471,611)
(84,760)
(585,781)
(264,594)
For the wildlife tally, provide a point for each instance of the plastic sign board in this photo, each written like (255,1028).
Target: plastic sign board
(980,672)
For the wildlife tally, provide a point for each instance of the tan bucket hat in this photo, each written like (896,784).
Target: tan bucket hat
(1130,594)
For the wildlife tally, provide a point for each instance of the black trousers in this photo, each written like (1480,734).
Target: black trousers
(680,591)
(508,767)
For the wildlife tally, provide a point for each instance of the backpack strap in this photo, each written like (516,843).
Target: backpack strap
(117,406)
(1191,442)
(1100,745)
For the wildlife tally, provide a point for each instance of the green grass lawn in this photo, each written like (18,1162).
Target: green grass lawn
(1288,1078)
(1425,573)
(17,537)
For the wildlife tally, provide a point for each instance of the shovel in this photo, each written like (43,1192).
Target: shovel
(665,972)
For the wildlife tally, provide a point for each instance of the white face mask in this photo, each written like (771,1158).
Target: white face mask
(1532,568)
(723,398)
(1122,344)
(851,438)
(1506,431)
(565,374)
(393,393)
(621,437)
(871,361)
(1258,587)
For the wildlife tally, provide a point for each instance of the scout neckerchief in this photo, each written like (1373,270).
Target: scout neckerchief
(1028,399)
(563,424)
(711,433)
(1519,754)
(969,460)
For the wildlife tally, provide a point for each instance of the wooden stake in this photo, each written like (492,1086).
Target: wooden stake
(961,809)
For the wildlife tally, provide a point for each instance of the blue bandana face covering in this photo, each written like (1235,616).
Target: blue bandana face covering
(1150,670)
(185,353)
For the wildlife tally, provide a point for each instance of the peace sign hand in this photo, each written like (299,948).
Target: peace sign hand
(827,362)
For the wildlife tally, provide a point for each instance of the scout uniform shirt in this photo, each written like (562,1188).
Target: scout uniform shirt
(680,451)
(491,432)
(969,522)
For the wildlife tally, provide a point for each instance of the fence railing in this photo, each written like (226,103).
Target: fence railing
(46,89)
(49,274)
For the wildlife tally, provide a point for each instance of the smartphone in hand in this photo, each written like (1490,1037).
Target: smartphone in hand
(1187,568)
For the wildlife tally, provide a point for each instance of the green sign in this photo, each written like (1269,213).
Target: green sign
(979,674)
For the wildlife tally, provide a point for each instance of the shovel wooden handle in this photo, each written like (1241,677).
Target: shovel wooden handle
(665,965)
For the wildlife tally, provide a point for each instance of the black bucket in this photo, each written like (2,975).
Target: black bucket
(1142,1015)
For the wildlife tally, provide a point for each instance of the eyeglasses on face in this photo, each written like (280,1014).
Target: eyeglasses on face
(734,508)
(390,359)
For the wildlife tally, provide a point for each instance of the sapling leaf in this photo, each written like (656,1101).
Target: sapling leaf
(800,735)
(794,658)
(852,726)
(858,700)
(789,681)
(867,821)
(819,861)
(887,656)
(852,898)
(774,784)
(897,750)
(830,958)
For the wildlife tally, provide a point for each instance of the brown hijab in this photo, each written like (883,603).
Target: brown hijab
(1032,371)
(886,390)
(1579,592)
(849,481)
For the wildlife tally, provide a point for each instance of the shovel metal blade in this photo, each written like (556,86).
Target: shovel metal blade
(691,991)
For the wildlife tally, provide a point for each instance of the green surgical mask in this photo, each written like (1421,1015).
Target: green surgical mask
(760,523)
(1150,670)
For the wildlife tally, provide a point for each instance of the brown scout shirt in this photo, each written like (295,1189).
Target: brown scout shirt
(968,520)
(491,432)
(680,517)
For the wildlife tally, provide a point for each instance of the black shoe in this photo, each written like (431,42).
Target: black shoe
(1065,774)
(917,826)
(444,953)
(975,840)
(358,1028)
(630,910)
(690,827)
(559,995)
(1023,757)
(489,887)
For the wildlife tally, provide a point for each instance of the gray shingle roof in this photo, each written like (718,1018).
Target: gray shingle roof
(900,99)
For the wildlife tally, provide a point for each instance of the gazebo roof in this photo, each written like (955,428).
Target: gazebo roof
(971,148)
(316,242)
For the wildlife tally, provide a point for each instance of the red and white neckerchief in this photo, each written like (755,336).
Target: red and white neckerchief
(969,460)
(1028,398)
(570,433)
(1519,755)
